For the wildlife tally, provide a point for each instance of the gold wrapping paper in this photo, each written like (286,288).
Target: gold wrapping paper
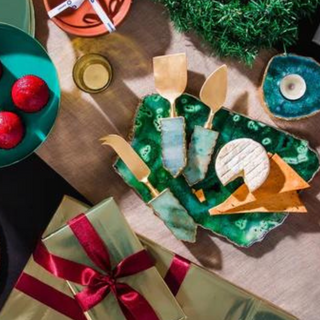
(121,242)
(19,306)
(202,296)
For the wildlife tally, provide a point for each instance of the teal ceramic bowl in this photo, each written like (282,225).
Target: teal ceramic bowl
(18,13)
(21,55)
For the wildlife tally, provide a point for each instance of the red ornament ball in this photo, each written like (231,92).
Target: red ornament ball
(11,130)
(30,93)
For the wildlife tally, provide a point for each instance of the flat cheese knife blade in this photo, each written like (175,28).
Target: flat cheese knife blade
(214,92)
(128,155)
(170,76)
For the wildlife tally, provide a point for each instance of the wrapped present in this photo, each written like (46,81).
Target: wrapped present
(204,295)
(37,292)
(201,293)
(108,270)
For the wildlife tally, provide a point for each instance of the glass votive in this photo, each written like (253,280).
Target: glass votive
(92,73)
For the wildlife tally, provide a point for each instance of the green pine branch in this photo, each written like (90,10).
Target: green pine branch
(238,28)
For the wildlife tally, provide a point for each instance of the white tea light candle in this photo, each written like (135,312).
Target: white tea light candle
(293,87)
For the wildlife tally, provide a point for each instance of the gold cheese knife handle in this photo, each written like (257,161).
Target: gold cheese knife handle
(208,124)
(173,112)
(154,191)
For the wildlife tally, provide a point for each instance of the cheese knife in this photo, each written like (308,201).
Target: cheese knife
(213,94)
(170,74)
(165,204)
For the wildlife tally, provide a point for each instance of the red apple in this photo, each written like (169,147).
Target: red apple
(11,130)
(30,93)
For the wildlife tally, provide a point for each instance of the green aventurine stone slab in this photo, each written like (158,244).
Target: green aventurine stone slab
(174,216)
(200,152)
(243,229)
(281,66)
(173,144)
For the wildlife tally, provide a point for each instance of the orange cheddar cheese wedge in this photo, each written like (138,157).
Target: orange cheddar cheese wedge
(277,194)
(200,195)
(283,202)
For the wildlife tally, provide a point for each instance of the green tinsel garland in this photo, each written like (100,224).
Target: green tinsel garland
(238,28)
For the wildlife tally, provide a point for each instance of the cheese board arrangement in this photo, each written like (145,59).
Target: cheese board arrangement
(194,162)
(253,176)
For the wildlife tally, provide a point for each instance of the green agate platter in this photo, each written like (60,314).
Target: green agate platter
(241,229)
(280,106)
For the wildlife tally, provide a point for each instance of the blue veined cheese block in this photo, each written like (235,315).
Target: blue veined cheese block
(175,216)
(173,144)
(200,152)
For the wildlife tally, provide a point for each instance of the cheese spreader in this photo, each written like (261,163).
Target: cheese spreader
(170,74)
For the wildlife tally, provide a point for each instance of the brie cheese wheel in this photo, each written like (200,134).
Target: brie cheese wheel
(243,158)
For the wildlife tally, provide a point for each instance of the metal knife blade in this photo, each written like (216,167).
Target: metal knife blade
(132,160)
(214,91)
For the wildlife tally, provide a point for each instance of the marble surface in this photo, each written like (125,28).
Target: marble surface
(283,269)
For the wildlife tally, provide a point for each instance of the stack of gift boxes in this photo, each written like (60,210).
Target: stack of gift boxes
(92,266)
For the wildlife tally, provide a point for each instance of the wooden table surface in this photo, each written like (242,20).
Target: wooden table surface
(284,268)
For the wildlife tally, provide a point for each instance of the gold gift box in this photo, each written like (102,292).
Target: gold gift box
(121,242)
(202,296)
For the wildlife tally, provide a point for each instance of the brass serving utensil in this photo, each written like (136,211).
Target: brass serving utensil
(170,74)
(138,168)
(167,207)
(213,93)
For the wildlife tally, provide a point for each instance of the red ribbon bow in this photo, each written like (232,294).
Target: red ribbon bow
(98,285)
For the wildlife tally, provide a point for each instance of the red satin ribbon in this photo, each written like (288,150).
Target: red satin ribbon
(176,274)
(49,296)
(99,285)
(68,306)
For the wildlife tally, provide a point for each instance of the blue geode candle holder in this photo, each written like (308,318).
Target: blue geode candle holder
(291,87)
